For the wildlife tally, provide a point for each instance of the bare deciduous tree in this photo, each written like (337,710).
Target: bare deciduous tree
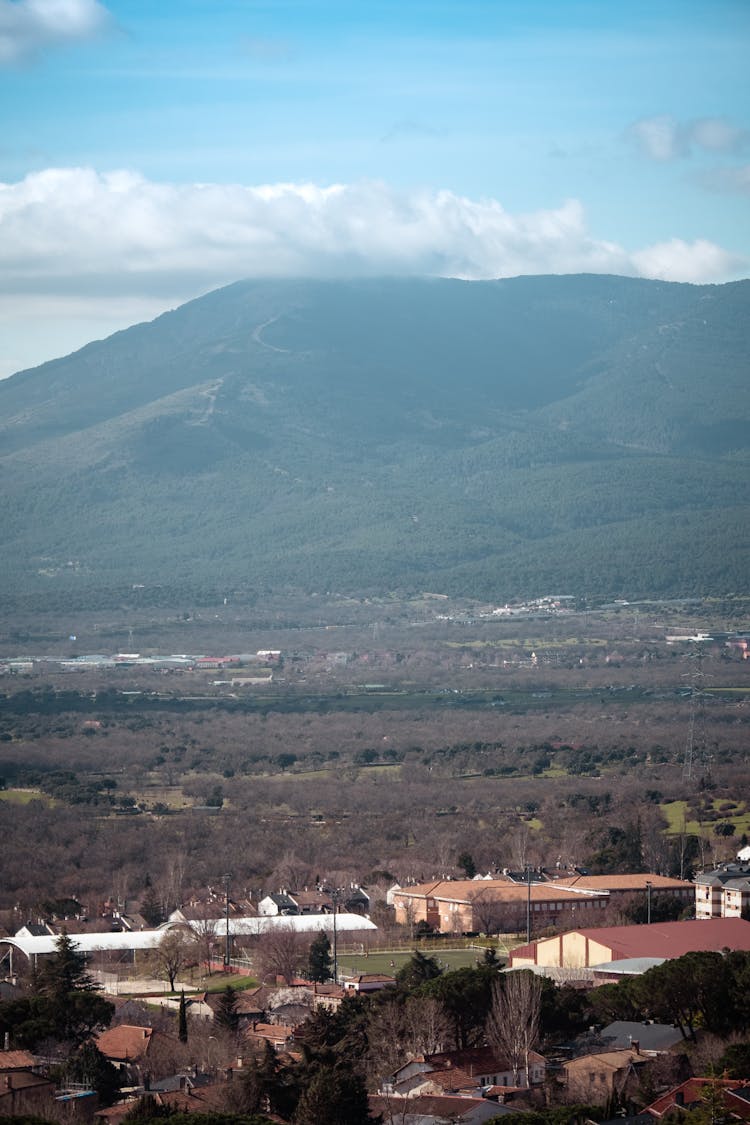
(384,1033)
(513,1022)
(173,953)
(281,953)
(487,911)
(206,940)
(427,1026)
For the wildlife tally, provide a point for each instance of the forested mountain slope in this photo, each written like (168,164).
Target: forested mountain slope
(578,434)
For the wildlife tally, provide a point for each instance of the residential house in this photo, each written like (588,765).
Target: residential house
(140,1052)
(368,982)
(312,902)
(594,1079)
(25,1094)
(279,1035)
(693,1094)
(357,901)
(646,1037)
(724,892)
(11,1061)
(328,996)
(588,947)
(274,905)
(250,1004)
(488,1066)
(36,929)
(191,1094)
(418,1077)
(431,1110)
(125,1044)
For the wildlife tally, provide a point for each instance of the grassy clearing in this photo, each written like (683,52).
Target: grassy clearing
(24,796)
(217,982)
(676,813)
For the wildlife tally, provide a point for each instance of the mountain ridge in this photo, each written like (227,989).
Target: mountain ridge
(391,434)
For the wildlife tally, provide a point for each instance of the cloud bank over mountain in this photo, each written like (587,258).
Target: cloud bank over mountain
(76,243)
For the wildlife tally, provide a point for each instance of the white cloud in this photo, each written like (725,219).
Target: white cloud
(659,138)
(104,241)
(676,260)
(716,134)
(663,138)
(734,181)
(30,26)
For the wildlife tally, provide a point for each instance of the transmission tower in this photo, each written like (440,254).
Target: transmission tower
(696,762)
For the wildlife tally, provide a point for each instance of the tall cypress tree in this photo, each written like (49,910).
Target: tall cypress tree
(182,1027)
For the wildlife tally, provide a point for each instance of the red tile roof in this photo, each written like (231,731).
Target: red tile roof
(493,890)
(16,1060)
(125,1043)
(198,1099)
(451,1079)
(635,882)
(736,1096)
(478,1060)
(661,939)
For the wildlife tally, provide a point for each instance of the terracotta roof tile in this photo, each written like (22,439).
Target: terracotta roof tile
(16,1060)
(634,882)
(125,1042)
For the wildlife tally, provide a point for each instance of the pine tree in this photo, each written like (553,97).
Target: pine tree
(89,1065)
(69,1005)
(335,1095)
(65,971)
(320,962)
(490,959)
(226,1015)
(418,969)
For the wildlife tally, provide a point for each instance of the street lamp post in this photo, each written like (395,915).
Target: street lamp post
(227,958)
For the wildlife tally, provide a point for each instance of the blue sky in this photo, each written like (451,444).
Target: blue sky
(152,151)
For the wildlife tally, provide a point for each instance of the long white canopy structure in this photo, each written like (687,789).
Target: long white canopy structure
(149,939)
(298,923)
(86,943)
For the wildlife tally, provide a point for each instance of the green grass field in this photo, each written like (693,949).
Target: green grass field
(676,811)
(391,961)
(24,796)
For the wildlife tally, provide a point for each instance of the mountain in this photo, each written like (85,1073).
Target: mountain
(578,434)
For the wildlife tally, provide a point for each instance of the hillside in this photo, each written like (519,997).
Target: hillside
(582,434)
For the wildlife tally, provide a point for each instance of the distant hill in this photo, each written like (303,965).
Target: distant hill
(579,435)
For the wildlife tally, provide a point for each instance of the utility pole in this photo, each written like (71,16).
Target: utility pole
(528,903)
(227,957)
(335,895)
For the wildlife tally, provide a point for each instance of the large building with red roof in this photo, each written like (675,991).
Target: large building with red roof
(585,948)
(489,905)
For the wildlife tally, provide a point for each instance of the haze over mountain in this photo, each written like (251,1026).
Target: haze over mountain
(577,434)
